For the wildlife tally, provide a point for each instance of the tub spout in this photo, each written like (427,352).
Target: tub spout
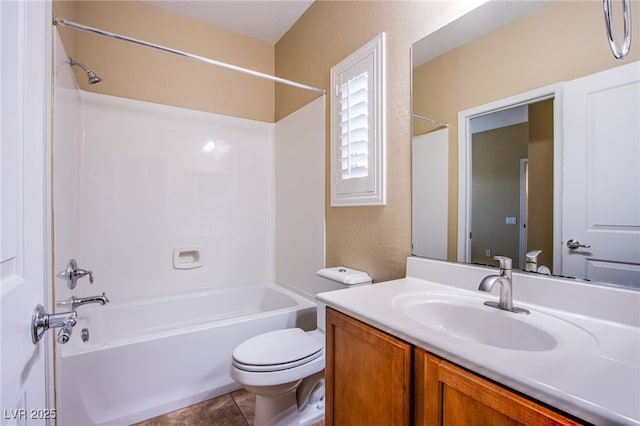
(74,301)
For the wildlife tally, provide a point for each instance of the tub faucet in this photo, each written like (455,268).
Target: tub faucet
(505,281)
(74,301)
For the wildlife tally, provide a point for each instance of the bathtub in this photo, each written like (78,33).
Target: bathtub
(146,358)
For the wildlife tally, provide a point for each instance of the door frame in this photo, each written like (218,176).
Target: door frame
(45,13)
(33,32)
(552,91)
(49,296)
(523,218)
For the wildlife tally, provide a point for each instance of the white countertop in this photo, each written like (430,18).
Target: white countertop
(596,380)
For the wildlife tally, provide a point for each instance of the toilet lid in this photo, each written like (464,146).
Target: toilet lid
(277,350)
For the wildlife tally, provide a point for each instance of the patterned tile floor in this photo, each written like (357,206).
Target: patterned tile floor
(234,409)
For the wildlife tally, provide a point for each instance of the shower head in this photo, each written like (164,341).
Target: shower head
(92,77)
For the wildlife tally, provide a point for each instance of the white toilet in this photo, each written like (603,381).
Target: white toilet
(285,368)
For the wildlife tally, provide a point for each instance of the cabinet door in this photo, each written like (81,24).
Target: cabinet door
(368,374)
(448,395)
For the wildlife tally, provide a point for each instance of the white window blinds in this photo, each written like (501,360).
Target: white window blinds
(354,126)
(357,132)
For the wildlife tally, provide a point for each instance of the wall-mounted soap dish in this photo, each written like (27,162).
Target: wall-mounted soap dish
(187,258)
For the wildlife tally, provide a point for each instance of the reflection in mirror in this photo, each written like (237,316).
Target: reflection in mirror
(515,194)
(511,155)
(429,170)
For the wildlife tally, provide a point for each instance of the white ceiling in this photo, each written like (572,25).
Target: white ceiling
(479,21)
(266,20)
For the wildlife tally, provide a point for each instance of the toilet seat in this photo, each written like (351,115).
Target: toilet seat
(277,350)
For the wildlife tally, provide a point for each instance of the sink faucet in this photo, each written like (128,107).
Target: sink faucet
(74,301)
(504,279)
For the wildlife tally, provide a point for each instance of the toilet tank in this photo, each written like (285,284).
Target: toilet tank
(340,277)
(337,278)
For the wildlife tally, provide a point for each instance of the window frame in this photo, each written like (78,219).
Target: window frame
(369,190)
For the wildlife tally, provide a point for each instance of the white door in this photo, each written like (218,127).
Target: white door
(24,132)
(601,201)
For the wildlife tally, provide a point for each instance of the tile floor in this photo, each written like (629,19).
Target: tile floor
(233,409)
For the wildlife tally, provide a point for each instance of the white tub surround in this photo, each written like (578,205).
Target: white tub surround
(591,372)
(146,358)
(299,197)
(157,180)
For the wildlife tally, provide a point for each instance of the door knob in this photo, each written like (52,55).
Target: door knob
(574,244)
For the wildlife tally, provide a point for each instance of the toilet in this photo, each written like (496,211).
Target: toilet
(285,368)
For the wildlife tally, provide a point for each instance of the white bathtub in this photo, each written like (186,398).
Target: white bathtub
(150,357)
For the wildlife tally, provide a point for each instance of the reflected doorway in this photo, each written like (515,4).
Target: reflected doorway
(511,184)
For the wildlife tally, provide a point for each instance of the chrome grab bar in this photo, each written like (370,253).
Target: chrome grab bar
(626,44)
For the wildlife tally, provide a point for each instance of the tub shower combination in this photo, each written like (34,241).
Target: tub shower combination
(164,337)
(145,358)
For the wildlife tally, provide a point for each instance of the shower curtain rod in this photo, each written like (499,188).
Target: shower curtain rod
(429,120)
(80,27)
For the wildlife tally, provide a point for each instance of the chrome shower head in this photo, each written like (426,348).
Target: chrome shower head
(92,77)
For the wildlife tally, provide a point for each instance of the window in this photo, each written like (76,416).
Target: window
(357,127)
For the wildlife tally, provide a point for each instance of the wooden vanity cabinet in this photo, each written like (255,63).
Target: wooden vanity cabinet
(373,378)
(445,394)
(367,376)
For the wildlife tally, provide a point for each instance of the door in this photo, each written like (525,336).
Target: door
(602,153)
(24,85)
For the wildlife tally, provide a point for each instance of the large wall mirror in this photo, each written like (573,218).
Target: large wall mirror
(509,156)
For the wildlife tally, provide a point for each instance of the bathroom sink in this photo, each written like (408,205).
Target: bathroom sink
(467,318)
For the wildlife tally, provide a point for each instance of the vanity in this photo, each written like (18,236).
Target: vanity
(426,350)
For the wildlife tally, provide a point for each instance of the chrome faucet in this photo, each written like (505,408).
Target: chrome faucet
(531,264)
(74,301)
(504,279)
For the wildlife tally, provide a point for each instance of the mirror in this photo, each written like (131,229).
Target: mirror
(491,78)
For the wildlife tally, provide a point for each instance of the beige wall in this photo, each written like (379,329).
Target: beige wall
(145,74)
(561,41)
(374,239)
(68,10)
